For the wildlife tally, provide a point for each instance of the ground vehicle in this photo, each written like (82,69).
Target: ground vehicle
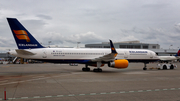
(73,64)
(166,66)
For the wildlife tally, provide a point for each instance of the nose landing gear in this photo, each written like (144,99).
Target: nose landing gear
(145,66)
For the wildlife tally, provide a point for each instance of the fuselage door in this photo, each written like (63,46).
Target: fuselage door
(125,54)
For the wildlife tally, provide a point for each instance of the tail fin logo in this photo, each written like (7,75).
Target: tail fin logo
(112,48)
(22,35)
(178,54)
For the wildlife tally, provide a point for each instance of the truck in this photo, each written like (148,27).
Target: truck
(166,66)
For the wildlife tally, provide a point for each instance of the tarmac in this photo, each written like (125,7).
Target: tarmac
(61,82)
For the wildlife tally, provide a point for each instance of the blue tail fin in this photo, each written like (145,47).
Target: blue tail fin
(113,50)
(23,38)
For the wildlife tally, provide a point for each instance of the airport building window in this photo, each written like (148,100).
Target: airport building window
(154,47)
(122,46)
(96,47)
(137,46)
(129,46)
(145,47)
(106,46)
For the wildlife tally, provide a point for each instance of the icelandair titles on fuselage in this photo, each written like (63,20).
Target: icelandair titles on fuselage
(27,44)
(138,52)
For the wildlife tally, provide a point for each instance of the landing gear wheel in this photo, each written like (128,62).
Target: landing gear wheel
(85,69)
(97,70)
(164,67)
(144,67)
(171,67)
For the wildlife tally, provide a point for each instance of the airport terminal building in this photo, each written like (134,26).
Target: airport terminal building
(135,45)
(125,44)
(6,56)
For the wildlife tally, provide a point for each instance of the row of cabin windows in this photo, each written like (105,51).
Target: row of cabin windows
(92,53)
(82,53)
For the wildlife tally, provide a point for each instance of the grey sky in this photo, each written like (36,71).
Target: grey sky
(66,22)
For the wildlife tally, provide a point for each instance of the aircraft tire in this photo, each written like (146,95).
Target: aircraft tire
(100,70)
(144,68)
(164,67)
(97,70)
(85,69)
(171,67)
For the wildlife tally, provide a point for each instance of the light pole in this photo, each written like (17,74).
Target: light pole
(78,44)
(49,43)
(170,46)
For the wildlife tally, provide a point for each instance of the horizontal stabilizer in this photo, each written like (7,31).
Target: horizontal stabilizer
(24,52)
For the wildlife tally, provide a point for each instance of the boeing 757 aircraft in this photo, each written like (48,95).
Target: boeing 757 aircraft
(30,48)
(170,58)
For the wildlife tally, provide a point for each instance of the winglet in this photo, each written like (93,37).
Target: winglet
(113,50)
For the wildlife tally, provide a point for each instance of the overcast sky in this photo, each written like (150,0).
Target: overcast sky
(66,22)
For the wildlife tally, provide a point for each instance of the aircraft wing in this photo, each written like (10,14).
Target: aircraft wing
(24,52)
(108,57)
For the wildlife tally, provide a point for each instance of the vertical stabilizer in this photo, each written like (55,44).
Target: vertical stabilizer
(178,53)
(23,38)
(113,50)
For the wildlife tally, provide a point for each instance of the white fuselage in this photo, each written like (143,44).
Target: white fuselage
(83,55)
(168,58)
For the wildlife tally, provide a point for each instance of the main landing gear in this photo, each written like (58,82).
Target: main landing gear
(86,68)
(98,69)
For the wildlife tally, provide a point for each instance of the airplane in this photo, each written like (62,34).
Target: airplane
(167,59)
(30,48)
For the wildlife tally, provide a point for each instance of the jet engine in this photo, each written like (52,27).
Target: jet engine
(119,64)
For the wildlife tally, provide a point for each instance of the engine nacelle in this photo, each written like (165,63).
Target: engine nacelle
(119,64)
